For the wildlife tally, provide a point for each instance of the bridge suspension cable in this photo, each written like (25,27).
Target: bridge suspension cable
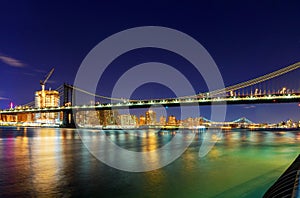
(210,94)
(29,104)
(256,80)
(99,96)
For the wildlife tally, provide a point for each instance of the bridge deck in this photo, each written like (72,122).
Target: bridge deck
(283,98)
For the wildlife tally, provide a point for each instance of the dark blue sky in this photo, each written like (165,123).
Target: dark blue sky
(246,40)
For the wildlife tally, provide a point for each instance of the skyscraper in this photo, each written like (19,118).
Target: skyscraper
(142,121)
(162,120)
(150,117)
(171,120)
(108,117)
(128,120)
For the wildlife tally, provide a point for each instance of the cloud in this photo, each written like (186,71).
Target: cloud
(3,98)
(11,61)
(250,107)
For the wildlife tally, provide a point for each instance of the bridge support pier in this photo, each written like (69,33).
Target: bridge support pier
(68,116)
(68,119)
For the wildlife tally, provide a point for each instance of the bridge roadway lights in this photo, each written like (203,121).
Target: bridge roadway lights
(68,117)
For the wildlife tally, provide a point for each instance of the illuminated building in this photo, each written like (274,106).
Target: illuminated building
(162,120)
(128,120)
(150,117)
(86,118)
(25,117)
(171,120)
(47,99)
(108,117)
(142,120)
(189,122)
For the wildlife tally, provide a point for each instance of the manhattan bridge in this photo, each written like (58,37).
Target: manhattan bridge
(275,87)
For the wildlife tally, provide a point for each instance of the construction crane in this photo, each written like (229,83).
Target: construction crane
(46,79)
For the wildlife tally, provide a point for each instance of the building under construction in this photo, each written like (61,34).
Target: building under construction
(47,99)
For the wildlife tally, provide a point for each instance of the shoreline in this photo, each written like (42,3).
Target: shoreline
(201,128)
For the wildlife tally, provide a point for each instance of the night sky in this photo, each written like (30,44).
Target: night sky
(246,40)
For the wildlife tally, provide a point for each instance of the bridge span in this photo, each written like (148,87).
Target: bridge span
(258,99)
(231,95)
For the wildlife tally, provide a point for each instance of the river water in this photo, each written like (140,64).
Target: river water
(49,162)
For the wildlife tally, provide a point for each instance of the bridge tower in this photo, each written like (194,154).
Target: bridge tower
(68,115)
(68,91)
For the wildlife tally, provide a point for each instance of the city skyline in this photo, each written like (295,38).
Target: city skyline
(246,40)
(150,117)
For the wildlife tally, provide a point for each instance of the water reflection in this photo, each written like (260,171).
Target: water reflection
(260,137)
(297,136)
(53,163)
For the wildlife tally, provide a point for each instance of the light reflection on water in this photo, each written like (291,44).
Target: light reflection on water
(54,162)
